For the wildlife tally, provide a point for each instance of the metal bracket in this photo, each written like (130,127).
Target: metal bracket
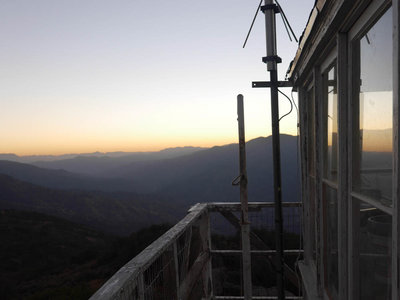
(236,181)
(274,58)
(270,6)
(268,84)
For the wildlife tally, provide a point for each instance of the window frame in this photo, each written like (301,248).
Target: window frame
(329,62)
(369,17)
(309,89)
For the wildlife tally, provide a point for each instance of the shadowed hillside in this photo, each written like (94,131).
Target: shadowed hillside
(119,213)
(43,257)
(206,176)
(61,179)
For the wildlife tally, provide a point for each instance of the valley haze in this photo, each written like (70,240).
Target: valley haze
(162,184)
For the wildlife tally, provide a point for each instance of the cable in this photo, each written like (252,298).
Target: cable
(252,23)
(284,23)
(295,105)
(292,102)
(287,30)
(291,105)
(284,16)
(297,110)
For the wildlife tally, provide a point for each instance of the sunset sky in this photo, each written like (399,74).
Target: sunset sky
(94,75)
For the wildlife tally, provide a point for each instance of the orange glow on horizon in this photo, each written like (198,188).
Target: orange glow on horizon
(116,146)
(377,141)
(50,143)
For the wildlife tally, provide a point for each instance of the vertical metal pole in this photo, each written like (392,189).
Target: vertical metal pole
(271,61)
(244,219)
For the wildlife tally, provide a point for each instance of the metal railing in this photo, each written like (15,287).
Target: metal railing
(179,264)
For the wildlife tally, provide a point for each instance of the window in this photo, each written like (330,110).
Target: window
(372,154)
(374,174)
(348,113)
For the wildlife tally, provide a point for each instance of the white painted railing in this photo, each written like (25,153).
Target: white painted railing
(178,264)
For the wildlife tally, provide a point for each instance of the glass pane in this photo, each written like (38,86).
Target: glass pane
(331,119)
(311,131)
(311,165)
(374,177)
(375,253)
(331,240)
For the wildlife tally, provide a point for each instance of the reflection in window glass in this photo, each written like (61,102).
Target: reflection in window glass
(330,172)
(312,218)
(311,165)
(375,253)
(374,177)
(331,240)
(331,119)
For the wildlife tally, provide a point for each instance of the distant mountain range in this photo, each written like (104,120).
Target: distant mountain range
(98,164)
(206,176)
(191,173)
(119,156)
(123,193)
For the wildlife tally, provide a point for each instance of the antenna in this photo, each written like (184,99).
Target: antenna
(252,23)
(284,20)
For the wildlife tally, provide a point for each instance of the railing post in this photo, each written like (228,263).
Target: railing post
(205,235)
(244,220)
(176,262)
(184,267)
(141,286)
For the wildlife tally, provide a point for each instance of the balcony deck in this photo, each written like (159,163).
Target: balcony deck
(200,257)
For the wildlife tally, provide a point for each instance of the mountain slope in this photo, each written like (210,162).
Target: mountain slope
(119,213)
(44,257)
(40,252)
(61,179)
(206,176)
(96,164)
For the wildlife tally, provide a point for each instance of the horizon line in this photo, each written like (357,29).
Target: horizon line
(18,154)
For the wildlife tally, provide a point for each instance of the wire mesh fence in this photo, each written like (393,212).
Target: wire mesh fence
(227,259)
(200,257)
(159,278)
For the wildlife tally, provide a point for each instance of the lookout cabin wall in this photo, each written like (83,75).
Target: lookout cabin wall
(346,72)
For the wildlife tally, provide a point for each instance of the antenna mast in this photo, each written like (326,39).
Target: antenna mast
(272,59)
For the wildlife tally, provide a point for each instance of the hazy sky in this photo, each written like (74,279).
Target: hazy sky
(96,75)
